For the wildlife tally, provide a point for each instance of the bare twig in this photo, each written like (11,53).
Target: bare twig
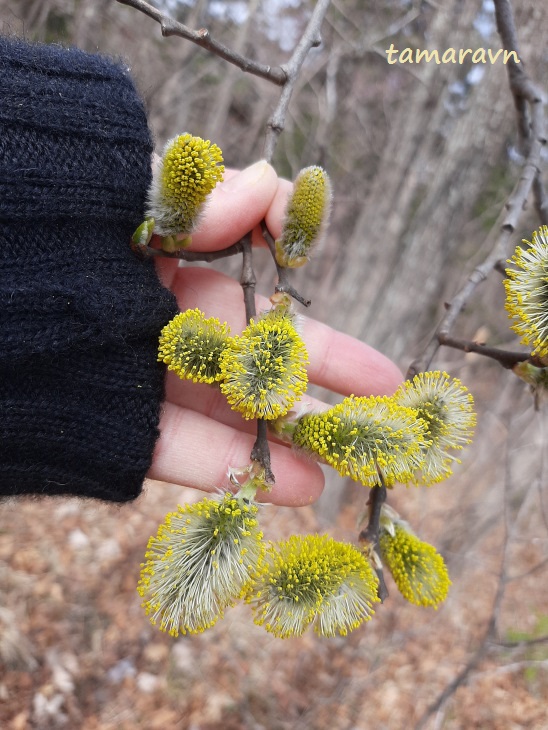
(525,93)
(261,451)
(202,37)
(529,104)
(523,644)
(309,39)
(506,358)
(489,641)
(248,279)
(370,534)
(146,252)
(490,629)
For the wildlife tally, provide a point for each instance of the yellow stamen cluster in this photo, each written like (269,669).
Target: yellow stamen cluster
(203,558)
(447,408)
(263,370)
(360,436)
(190,168)
(191,346)
(310,579)
(527,292)
(418,570)
(306,217)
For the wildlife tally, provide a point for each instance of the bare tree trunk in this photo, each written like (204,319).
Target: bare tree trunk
(407,245)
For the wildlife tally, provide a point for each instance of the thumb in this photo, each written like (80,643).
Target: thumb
(236,206)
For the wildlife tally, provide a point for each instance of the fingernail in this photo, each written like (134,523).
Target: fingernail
(247,178)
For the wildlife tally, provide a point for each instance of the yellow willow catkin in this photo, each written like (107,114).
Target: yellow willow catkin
(189,169)
(362,435)
(447,408)
(313,579)
(306,217)
(202,559)
(418,570)
(527,292)
(263,371)
(191,345)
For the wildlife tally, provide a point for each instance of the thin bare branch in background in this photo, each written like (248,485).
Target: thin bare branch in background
(309,39)
(529,101)
(202,38)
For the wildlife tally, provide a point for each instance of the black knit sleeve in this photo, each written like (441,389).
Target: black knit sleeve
(80,387)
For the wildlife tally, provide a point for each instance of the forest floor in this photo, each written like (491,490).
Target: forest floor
(76,650)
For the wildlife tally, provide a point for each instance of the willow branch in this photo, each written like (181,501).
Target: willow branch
(248,278)
(310,39)
(202,38)
(261,450)
(507,358)
(524,643)
(490,629)
(531,124)
(146,252)
(370,534)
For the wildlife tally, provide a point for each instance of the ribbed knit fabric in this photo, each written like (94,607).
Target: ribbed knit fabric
(80,315)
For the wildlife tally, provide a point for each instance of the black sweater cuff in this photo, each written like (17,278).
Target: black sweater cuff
(80,387)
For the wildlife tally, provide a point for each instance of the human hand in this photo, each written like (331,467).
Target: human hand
(200,436)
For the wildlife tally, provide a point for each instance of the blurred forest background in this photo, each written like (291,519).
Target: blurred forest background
(422,159)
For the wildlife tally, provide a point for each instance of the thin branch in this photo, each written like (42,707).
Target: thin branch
(524,92)
(501,250)
(146,252)
(202,37)
(261,451)
(506,358)
(523,644)
(529,103)
(248,279)
(283,284)
(490,630)
(531,571)
(370,534)
(488,643)
(310,39)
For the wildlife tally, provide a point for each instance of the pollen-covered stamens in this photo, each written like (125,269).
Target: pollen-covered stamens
(314,579)
(418,570)
(191,346)
(189,169)
(527,292)
(306,217)
(203,558)
(360,436)
(447,408)
(263,370)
